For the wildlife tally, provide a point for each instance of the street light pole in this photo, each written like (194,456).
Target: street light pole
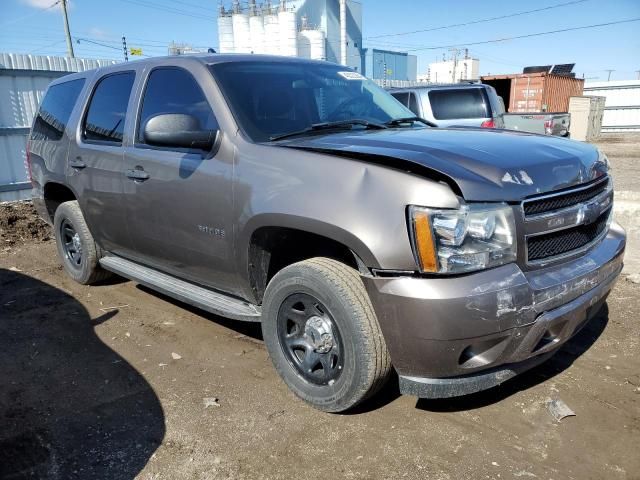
(66,28)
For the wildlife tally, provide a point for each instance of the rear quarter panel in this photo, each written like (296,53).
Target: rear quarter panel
(48,157)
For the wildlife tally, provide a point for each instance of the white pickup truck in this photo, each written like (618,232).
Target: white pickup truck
(542,123)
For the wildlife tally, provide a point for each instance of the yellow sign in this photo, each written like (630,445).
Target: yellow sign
(135,51)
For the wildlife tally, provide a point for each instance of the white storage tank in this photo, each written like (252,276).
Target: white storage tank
(256,32)
(271,35)
(288,34)
(241,35)
(311,45)
(225,32)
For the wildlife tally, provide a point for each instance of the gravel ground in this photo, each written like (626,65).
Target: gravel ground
(623,151)
(115,381)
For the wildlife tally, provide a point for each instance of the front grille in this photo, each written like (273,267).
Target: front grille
(563,241)
(564,200)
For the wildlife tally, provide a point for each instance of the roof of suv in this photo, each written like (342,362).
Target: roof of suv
(201,58)
(437,86)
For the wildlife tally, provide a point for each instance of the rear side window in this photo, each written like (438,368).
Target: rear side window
(55,110)
(402,97)
(449,104)
(174,90)
(108,108)
(413,103)
(408,99)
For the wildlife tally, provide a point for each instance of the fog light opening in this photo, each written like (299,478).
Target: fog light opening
(482,353)
(549,337)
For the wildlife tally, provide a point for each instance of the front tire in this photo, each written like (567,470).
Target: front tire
(77,249)
(323,335)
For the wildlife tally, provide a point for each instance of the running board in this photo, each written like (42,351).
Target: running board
(200,297)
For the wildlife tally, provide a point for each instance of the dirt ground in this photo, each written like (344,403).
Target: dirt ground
(623,151)
(115,381)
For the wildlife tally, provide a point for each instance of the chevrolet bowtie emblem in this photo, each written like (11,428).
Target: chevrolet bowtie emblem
(589,212)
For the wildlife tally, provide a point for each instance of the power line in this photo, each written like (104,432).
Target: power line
(571,29)
(483,20)
(48,46)
(79,40)
(15,20)
(164,8)
(192,5)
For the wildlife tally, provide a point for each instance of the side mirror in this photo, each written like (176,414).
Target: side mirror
(178,130)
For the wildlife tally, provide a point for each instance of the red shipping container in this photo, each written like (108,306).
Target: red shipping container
(535,92)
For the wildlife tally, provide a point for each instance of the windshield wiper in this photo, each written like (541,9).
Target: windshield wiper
(398,121)
(340,124)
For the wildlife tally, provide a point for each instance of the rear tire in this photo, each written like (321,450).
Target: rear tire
(323,335)
(77,249)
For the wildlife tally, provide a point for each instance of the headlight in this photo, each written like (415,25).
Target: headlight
(471,238)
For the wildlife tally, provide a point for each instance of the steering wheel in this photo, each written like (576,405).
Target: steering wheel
(357,107)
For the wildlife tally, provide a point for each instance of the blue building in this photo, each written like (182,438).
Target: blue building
(389,65)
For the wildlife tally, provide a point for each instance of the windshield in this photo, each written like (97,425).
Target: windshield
(270,100)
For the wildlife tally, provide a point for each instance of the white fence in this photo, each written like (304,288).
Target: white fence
(622,107)
(23,81)
(398,83)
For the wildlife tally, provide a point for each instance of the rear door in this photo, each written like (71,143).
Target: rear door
(96,160)
(180,214)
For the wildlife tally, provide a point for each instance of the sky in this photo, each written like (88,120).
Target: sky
(28,26)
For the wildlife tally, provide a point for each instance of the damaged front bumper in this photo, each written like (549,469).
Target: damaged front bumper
(454,336)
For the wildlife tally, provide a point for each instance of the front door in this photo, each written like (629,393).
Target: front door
(179,201)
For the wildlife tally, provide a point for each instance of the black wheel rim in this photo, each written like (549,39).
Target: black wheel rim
(310,339)
(71,244)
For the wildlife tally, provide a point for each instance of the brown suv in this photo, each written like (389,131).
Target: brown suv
(299,194)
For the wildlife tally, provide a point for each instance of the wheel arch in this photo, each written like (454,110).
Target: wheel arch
(54,194)
(274,241)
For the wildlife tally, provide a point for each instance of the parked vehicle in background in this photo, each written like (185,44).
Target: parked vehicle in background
(301,195)
(460,104)
(541,123)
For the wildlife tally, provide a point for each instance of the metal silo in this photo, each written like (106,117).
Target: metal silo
(311,45)
(288,31)
(241,35)
(271,32)
(316,38)
(256,32)
(225,31)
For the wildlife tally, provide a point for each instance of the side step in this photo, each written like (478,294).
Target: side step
(200,297)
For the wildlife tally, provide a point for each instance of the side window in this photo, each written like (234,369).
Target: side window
(174,90)
(450,104)
(105,117)
(413,104)
(402,97)
(55,110)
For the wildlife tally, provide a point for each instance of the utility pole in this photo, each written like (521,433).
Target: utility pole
(66,28)
(609,74)
(124,48)
(455,62)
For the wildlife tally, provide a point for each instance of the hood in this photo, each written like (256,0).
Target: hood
(485,165)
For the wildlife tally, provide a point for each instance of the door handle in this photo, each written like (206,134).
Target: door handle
(77,163)
(137,174)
